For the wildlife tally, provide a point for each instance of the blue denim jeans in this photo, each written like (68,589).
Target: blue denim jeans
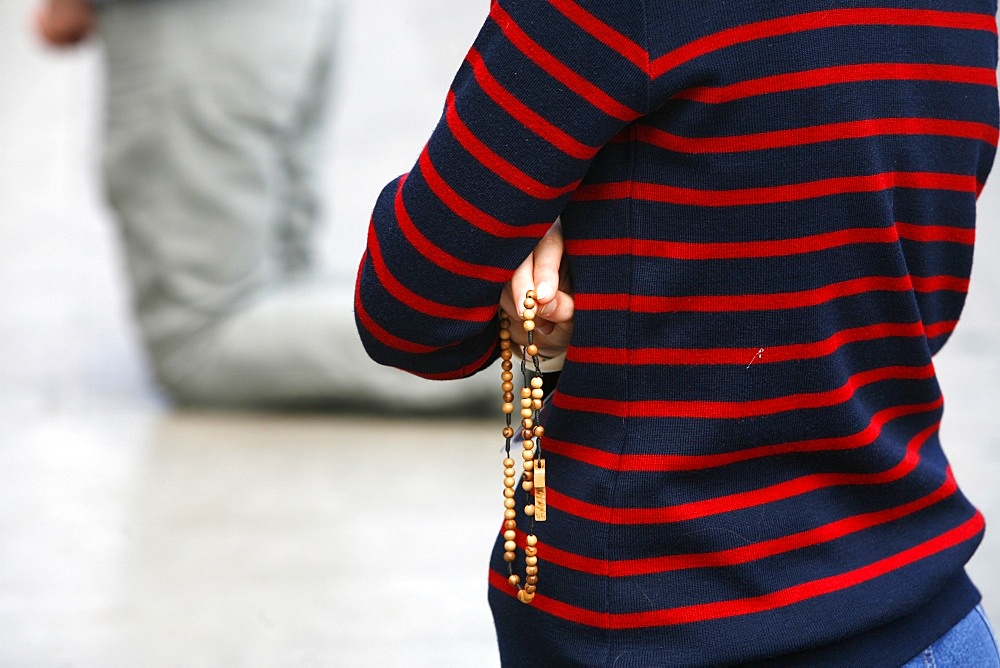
(970,643)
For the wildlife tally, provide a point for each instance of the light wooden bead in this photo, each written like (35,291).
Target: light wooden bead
(507,407)
(531,349)
(505,344)
(527,403)
(524,596)
(507,387)
(529,445)
(510,525)
(530,550)
(529,302)
(509,481)
(509,514)
(508,492)
(507,376)
(527,412)
(510,546)
(508,463)
(529,510)
(525,392)
(531,570)
(531,561)
(506,355)
(509,534)
(537,393)
(539,430)
(514,580)
(529,325)
(529,312)
(528,466)
(509,472)
(530,294)
(532,540)
(527,485)
(509,504)
(527,455)
(536,404)
(505,332)
(527,423)
(536,382)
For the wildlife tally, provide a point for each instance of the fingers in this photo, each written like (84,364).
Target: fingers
(522,281)
(546,261)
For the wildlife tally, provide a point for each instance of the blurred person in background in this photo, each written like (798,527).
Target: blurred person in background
(215,115)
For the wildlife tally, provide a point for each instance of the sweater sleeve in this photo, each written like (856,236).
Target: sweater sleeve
(543,88)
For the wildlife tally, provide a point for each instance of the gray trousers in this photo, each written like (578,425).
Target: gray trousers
(215,111)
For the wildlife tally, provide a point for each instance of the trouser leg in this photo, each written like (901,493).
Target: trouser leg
(206,99)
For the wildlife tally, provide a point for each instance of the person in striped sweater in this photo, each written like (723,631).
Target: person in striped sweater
(769,212)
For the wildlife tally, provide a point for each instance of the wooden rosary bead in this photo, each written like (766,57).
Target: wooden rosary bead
(530,404)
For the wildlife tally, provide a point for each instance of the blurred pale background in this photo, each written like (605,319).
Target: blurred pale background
(132,534)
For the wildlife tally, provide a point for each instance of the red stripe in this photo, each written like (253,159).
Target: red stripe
(491,160)
(558,70)
(604,33)
(614,461)
(792,192)
(744,356)
(817,20)
(524,114)
(462,372)
(683,250)
(416,302)
(384,336)
(958,235)
(840,74)
(938,328)
(742,500)
(744,606)
(439,256)
(469,212)
(740,409)
(817,134)
(765,302)
(745,553)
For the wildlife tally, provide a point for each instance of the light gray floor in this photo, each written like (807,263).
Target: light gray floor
(134,535)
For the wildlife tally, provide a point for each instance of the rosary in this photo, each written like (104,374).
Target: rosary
(533,478)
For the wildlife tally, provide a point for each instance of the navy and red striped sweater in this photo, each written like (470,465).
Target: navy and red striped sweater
(769,210)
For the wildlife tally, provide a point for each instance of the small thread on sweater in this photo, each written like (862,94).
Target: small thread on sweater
(756,357)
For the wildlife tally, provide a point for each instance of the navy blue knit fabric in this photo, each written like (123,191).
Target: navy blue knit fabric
(769,210)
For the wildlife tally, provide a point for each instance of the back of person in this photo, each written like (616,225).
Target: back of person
(772,239)
(781,245)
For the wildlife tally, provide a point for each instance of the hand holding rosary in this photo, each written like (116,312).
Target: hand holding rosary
(533,476)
